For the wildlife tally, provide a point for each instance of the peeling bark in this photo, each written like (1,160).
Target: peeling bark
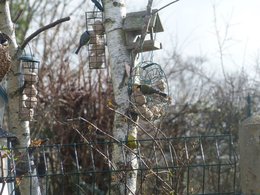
(123,182)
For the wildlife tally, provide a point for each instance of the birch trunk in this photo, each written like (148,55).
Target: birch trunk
(119,56)
(16,126)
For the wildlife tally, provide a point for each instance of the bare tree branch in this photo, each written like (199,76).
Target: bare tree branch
(166,6)
(18,15)
(28,39)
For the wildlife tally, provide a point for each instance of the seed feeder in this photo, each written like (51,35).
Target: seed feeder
(29,69)
(133,26)
(7,140)
(148,90)
(96,46)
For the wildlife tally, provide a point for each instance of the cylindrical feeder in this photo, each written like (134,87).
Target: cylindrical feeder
(26,114)
(31,102)
(29,79)
(30,91)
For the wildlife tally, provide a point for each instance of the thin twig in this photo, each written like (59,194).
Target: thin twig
(18,16)
(28,39)
(125,146)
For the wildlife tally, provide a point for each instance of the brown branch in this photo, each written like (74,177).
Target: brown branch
(37,32)
(166,6)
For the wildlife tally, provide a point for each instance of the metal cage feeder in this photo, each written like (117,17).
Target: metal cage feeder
(29,79)
(148,90)
(96,46)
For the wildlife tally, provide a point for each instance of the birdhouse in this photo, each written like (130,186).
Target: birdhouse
(133,26)
(29,79)
(96,46)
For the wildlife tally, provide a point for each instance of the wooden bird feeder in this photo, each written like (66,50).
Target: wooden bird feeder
(133,25)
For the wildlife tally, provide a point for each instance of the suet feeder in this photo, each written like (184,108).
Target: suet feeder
(96,46)
(133,26)
(148,90)
(7,140)
(29,69)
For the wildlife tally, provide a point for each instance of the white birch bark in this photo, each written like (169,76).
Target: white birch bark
(16,126)
(115,11)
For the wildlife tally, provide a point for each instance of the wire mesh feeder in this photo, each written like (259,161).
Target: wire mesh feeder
(96,47)
(184,165)
(149,91)
(29,79)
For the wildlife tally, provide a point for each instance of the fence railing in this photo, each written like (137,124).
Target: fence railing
(181,165)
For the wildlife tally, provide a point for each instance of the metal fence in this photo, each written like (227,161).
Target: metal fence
(183,165)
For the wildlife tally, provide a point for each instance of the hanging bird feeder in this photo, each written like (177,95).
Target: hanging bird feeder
(148,90)
(96,46)
(133,26)
(29,66)
(29,69)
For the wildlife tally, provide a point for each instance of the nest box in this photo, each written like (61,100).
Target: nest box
(133,25)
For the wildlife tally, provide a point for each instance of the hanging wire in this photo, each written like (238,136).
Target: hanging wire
(166,6)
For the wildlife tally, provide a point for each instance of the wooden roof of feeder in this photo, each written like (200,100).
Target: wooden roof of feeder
(134,22)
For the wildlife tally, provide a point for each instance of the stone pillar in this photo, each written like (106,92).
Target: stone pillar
(249,147)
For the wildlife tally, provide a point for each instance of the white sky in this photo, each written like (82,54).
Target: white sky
(190,25)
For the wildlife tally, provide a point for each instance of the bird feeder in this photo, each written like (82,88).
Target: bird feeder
(29,69)
(7,140)
(96,46)
(29,66)
(133,26)
(148,90)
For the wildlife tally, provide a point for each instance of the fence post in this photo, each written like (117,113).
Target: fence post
(249,147)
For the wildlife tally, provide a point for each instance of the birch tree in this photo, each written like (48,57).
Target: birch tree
(119,58)
(15,125)
(19,127)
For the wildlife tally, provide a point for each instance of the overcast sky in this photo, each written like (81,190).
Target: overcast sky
(190,25)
